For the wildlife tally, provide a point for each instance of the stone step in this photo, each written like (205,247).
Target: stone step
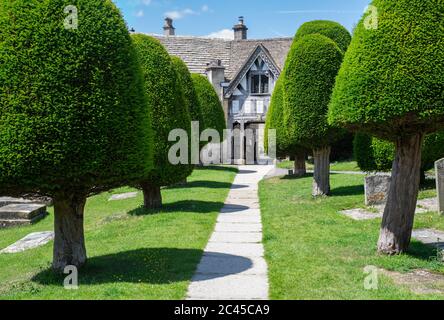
(10,223)
(25,211)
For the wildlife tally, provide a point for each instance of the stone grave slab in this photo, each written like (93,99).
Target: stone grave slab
(31,241)
(22,211)
(361,214)
(123,196)
(430,237)
(439,171)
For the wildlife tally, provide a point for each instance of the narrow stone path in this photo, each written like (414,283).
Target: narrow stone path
(233,265)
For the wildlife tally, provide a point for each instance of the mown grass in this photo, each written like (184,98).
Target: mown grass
(133,254)
(315,253)
(335,166)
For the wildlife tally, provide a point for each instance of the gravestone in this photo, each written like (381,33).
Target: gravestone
(123,196)
(31,241)
(19,214)
(376,189)
(439,171)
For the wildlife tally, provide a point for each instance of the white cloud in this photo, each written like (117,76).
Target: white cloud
(179,14)
(139,13)
(226,34)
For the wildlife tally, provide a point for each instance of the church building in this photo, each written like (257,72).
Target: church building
(242,71)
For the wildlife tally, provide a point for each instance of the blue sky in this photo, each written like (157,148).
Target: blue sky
(265,18)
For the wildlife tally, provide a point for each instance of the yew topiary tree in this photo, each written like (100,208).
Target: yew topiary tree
(73,115)
(391,86)
(275,120)
(310,71)
(189,92)
(210,105)
(190,99)
(330,29)
(168,112)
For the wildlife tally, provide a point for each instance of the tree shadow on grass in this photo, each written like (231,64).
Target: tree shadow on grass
(192,206)
(201,184)
(151,265)
(294,177)
(423,251)
(348,191)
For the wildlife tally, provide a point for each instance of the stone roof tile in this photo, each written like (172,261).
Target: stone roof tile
(197,52)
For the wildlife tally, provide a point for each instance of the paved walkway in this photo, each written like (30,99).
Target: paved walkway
(233,266)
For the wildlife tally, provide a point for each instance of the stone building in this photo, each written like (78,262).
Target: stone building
(242,71)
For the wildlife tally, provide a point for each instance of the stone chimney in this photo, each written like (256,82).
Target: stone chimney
(240,30)
(216,75)
(168,28)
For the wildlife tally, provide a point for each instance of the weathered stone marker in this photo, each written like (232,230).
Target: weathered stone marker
(439,171)
(31,241)
(376,189)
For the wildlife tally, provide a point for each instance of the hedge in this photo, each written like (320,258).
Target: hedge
(373,154)
(73,115)
(169,110)
(330,29)
(392,76)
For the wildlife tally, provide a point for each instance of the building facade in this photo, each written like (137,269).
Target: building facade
(242,71)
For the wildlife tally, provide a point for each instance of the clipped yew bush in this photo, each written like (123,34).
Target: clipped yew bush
(189,92)
(74,119)
(310,71)
(210,105)
(275,120)
(391,86)
(331,29)
(169,111)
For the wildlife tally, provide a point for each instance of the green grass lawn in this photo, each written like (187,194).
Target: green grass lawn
(315,253)
(335,166)
(132,254)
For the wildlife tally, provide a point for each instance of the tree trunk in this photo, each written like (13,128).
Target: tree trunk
(300,169)
(321,176)
(399,214)
(152,197)
(69,242)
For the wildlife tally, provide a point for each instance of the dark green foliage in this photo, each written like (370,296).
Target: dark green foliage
(169,110)
(211,107)
(330,29)
(310,71)
(342,149)
(373,154)
(391,81)
(73,115)
(275,120)
(189,92)
(275,117)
